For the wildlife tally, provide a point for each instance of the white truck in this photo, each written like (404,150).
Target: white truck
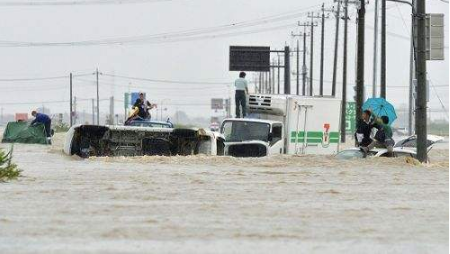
(284,124)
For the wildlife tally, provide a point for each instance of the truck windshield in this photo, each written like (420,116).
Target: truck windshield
(236,131)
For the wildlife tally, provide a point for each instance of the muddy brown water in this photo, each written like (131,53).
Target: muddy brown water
(205,204)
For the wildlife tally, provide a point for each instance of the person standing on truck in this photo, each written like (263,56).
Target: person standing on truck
(364,129)
(43,119)
(241,86)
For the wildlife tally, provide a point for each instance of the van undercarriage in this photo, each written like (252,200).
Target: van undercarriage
(91,140)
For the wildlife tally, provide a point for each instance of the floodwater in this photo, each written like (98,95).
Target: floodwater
(204,204)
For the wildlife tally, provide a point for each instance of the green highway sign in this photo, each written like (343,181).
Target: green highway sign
(350,118)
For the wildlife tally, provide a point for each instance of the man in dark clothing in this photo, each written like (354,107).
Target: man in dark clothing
(43,119)
(363,129)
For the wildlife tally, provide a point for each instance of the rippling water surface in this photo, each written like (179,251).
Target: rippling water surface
(204,204)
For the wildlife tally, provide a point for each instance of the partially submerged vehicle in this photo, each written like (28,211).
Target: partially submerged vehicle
(404,148)
(22,132)
(355,153)
(284,124)
(95,140)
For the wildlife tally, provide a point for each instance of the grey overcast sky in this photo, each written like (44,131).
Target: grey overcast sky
(177,56)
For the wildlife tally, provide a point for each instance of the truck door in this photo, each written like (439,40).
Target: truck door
(276,139)
(301,128)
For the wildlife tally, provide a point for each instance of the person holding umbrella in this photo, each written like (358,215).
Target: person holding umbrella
(385,115)
(383,137)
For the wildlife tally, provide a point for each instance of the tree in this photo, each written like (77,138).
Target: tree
(8,170)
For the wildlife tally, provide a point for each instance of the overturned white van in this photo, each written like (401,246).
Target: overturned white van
(97,140)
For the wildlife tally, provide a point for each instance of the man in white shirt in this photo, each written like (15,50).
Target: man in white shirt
(241,86)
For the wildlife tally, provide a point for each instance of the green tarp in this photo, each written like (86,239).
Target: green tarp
(21,132)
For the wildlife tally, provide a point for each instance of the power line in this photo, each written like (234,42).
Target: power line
(175,36)
(87,2)
(32,79)
(34,88)
(47,102)
(167,81)
(40,78)
(439,98)
(153,88)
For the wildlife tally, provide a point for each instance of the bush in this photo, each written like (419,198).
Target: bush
(8,170)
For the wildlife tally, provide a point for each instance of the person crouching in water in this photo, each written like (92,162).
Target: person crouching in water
(241,85)
(383,137)
(43,119)
(364,129)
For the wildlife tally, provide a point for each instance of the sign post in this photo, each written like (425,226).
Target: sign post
(256,58)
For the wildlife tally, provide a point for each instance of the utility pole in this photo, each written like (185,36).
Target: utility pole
(287,71)
(383,50)
(421,72)
(298,68)
(322,45)
(93,112)
(71,110)
(111,110)
(360,60)
(74,110)
(375,51)
(98,101)
(411,77)
(260,83)
(344,75)
(273,76)
(264,83)
(336,45)
(311,70)
(278,73)
(298,61)
(304,69)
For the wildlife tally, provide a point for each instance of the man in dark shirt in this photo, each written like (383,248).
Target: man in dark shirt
(43,119)
(363,129)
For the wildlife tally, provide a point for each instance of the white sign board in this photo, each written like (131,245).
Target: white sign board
(435,36)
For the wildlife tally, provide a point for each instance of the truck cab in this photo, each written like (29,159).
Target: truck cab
(252,137)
